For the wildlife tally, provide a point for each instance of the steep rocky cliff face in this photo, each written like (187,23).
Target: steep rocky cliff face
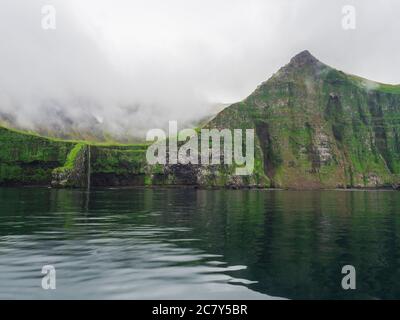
(75,172)
(315,127)
(318,127)
(27,159)
(119,166)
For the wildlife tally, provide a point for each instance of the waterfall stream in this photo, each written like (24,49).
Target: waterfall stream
(88,168)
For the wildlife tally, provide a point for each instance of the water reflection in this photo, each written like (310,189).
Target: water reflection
(183,243)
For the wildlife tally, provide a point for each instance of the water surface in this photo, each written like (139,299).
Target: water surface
(198,244)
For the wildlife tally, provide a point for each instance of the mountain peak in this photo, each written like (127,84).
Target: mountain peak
(303,58)
(301,62)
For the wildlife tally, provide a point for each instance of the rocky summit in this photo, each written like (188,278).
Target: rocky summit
(315,128)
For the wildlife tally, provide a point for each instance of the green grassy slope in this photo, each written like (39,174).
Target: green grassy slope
(315,127)
(318,127)
(29,159)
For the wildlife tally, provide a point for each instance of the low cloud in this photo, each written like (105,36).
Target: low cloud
(123,67)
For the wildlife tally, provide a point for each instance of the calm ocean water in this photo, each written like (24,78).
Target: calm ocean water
(198,244)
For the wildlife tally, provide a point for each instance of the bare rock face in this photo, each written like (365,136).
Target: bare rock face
(374,181)
(323,148)
(60,179)
(74,176)
(302,59)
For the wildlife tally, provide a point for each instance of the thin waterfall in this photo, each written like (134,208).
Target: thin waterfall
(88,168)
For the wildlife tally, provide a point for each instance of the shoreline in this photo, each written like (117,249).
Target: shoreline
(196,187)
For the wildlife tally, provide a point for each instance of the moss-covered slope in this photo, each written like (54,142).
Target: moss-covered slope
(315,127)
(27,159)
(318,127)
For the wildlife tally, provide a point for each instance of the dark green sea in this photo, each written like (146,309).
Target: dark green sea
(199,244)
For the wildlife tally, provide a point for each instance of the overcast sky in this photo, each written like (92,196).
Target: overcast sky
(137,64)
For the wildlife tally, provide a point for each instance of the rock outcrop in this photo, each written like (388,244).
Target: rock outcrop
(75,171)
(315,127)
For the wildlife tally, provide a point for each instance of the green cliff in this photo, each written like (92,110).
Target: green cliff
(27,159)
(318,127)
(315,127)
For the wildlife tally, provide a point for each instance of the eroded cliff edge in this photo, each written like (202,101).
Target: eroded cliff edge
(316,127)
